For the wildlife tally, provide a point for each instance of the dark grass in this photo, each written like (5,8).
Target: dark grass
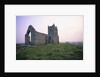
(50,52)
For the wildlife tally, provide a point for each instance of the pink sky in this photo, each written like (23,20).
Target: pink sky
(70,28)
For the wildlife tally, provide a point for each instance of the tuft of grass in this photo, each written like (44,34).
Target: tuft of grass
(50,52)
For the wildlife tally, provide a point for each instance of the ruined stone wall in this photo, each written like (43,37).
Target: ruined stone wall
(27,37)
(40,38)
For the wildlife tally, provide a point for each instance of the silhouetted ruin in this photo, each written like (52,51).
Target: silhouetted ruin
(41,38)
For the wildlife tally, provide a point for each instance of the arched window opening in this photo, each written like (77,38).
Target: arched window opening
(30,37)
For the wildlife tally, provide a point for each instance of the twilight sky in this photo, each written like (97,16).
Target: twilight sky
(70,28)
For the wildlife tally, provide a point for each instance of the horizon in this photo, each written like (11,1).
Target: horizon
(62,42)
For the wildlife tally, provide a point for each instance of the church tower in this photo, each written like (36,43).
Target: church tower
(53,34)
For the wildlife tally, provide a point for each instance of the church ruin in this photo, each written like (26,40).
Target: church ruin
(41,38)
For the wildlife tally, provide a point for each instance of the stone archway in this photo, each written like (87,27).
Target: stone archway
(29,36)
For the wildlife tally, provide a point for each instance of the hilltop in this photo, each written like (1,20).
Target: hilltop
(62,51)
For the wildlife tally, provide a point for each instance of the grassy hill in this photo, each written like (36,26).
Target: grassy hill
(65,51)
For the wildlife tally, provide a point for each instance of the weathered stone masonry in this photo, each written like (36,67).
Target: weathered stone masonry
(41,38)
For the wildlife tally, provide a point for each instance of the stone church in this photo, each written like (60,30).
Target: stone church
(41,38)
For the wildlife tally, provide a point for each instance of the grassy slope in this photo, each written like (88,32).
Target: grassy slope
(50,52)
